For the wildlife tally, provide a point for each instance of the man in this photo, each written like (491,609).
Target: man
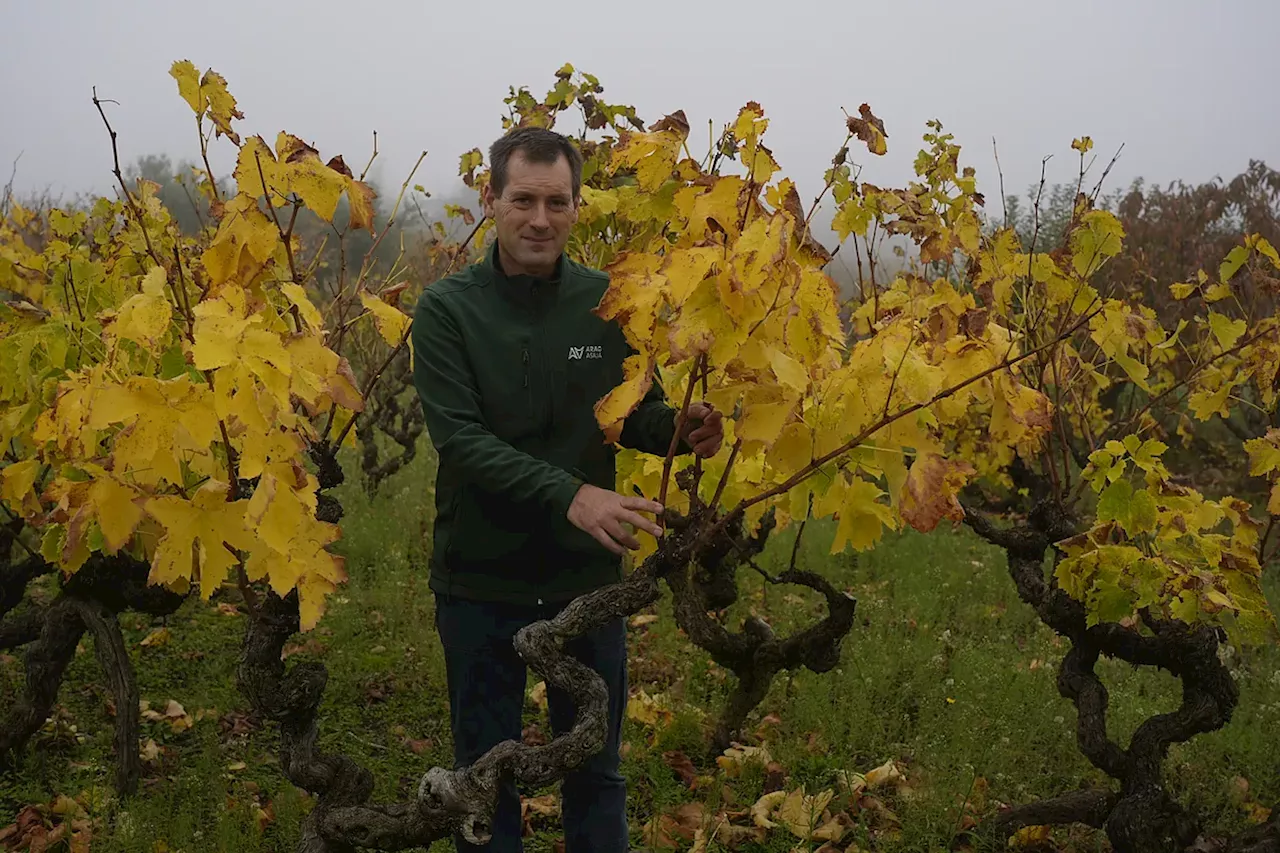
(508,363)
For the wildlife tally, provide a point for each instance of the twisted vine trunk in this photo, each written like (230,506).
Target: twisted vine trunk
(756,654)
(459,800)
(1141,817)
(393,417)
(89,601)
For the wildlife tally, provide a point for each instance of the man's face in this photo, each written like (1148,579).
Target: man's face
(533,215)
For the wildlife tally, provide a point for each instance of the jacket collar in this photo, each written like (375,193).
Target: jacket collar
(521,284)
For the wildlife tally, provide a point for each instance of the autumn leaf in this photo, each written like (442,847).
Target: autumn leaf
(612,409)
(391,322)
(931,492)
(869,129)
(157,637)
(360,197)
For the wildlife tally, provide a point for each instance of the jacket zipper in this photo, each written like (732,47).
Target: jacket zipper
(528,392)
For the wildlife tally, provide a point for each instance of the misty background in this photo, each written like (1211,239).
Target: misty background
(1183,85)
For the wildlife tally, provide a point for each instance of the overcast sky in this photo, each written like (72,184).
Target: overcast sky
(1189,86)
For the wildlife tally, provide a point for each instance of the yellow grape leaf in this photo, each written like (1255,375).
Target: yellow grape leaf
(196,533)
(294,555)
(764,411)
(116,506)
(749,124)
(1216,292)
(244,230)
(1098,237)
(258,174)
(1083,144)
(316,184)
(1225,330)
(306,308)
(719,204)
(612,409)
(597,203)
(314,589)
(320,376)
(1018,413)
(1264,453)
(685,269)
(143,318)
(391,321)
(792,450)
(862,517)
(469,162)
(222,106)
(652,155)
(851,217)
(1232,263)
(261,447)
(184,71)
(737,757)
(17,486)
(163,423)
(761,165)
(1263,247)
(931,492)
(634,293)
(790,372)
(1182,290)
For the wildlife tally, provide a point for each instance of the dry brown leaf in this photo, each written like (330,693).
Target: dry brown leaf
(682,766)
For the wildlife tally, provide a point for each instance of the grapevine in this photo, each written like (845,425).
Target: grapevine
(172,409)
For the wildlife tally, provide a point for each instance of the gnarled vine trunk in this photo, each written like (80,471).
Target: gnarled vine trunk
(90,600)
(1141,817)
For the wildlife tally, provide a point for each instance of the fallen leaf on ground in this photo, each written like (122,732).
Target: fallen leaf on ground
(737,756)
(804,815)
(682,766)
(649,710)
(158,637)
(538,696)
(886,774)
(666,830)
(1030,835)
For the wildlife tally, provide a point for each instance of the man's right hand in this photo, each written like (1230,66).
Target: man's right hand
(603,513)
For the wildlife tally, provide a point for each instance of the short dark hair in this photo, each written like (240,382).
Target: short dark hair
(539,145)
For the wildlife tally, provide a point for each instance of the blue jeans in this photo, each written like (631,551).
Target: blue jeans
(486,697)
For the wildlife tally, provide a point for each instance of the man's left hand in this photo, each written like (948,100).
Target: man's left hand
(703,429)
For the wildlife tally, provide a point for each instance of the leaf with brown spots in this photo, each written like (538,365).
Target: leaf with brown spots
(931,492)
(869,129)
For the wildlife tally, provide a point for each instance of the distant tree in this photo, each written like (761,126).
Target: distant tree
(179,188)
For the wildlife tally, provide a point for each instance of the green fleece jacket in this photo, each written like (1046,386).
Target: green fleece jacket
(508,369)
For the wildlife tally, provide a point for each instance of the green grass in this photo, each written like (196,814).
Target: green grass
(946,672)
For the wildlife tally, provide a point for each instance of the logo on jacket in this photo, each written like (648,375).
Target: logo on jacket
(585,352)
